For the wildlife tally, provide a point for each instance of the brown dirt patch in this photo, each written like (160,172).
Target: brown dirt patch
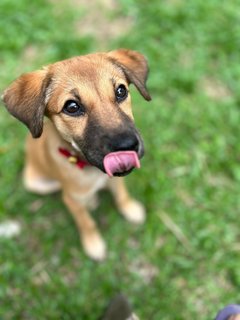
(101,19)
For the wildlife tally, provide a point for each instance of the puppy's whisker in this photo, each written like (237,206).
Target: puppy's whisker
(75,146)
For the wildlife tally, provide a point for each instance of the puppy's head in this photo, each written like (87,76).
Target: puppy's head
(87,98)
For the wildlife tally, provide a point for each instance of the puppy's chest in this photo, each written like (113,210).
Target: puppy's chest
(93,178)
(88,179)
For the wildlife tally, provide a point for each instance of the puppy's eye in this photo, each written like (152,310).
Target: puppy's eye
(72,108)
(121,93)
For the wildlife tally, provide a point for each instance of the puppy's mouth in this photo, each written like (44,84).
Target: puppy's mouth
(120,163)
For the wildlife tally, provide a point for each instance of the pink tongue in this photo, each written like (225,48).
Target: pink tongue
(121,161)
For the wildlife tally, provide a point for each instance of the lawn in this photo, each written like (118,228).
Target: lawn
(184,262)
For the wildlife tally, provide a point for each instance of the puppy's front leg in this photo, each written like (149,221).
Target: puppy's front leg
(92,242)
(130,208)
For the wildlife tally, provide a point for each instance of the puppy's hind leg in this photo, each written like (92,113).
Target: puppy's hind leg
(130,208)
(36,181)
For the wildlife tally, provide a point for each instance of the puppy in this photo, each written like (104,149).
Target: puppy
(90,140)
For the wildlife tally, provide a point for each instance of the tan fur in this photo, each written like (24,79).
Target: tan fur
(236,317)
(92,78)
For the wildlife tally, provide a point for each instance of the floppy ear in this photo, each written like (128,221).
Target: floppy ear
(135,68)
(24,99)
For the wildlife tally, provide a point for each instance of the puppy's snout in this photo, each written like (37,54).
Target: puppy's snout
(125,142)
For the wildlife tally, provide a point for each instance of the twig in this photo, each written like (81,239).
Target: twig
(174,228)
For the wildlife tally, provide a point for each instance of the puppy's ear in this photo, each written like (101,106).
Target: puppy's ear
(135,68)
(25,99)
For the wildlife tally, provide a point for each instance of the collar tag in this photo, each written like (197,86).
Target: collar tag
(73,159)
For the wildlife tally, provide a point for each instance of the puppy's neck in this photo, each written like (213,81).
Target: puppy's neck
(60,142)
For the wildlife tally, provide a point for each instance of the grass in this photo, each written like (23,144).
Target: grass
(184,262)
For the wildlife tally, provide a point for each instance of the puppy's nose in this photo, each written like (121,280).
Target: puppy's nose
(124,142)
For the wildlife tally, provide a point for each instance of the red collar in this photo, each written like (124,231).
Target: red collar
(73,158)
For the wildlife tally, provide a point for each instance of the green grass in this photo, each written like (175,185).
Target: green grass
(191,171)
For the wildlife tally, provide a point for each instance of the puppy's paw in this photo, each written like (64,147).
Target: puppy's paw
(134,212)
(94,246)
(42,186)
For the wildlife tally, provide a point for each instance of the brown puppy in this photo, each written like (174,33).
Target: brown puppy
(91,133)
